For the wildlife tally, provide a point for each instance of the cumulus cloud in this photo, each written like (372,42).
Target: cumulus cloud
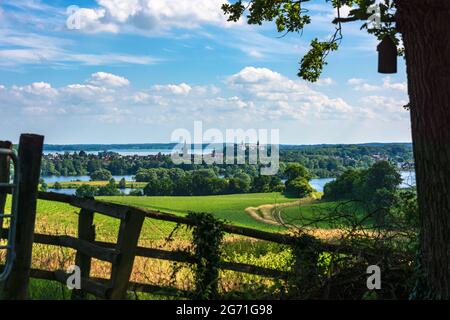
(399,86)
(37,88)
(361,85)
(387,83)
(254,75)
(177,89)
(272,95)
(251,94)
(145,15)
(108,79)
(324,82)
(90,20)
(384,107)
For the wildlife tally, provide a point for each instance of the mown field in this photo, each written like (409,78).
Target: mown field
(230,208)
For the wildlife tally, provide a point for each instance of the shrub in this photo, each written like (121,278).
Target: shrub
(101,175)
(57,186)
(299,187)
(86,191)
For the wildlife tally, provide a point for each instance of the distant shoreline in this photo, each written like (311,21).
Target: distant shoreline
(171,146)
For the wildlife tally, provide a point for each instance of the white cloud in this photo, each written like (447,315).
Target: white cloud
(25,48)
(85,89)
(254,75)
(37,88)
(140,97)
(361,85)
(91,20)
(108,79)
(384,107)
(324,82)
(274,96)
(355,81)
(399,86)
(252,94)
(177,89)
(145,15)
(121,10)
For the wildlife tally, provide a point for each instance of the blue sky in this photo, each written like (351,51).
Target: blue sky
(136,70)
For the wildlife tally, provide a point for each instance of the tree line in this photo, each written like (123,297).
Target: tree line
(178,182)
(322,161)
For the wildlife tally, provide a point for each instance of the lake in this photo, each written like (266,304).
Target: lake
(408,177)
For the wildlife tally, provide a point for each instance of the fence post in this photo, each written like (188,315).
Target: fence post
(86,231)
(4,177)
(30,153)
(305,269)
(129,232)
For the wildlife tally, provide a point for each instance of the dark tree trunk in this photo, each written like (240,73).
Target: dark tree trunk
(425,27)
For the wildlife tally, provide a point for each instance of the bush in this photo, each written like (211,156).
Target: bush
(109,190)
(122,183)
(238,185)
(101,175)
(343,187)
(299,187)
(136,193)
(57,186)
(86,191)
(405,210)
(159,187)
(296,170)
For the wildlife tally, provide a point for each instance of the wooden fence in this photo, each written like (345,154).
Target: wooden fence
(120,254)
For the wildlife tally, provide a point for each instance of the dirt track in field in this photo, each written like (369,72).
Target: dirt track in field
(270,213)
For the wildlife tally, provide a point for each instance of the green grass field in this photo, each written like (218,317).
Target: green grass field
(226,207)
